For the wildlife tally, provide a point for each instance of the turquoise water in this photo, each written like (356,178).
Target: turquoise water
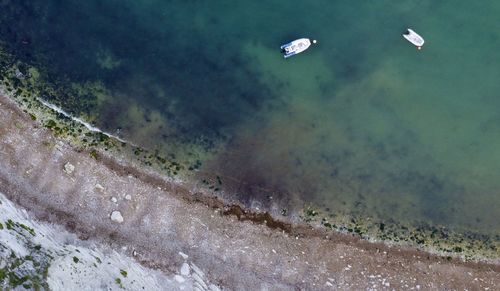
(362,123)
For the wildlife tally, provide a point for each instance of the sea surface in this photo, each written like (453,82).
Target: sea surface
(362,123)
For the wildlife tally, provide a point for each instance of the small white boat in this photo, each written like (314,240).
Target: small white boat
(414,38)
(295,47)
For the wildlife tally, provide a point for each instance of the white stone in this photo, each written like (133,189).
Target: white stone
(114,200)
(99,186)
(179,279)
(128,197)
(69,168)
(183,255)
(116,216)
(185,270)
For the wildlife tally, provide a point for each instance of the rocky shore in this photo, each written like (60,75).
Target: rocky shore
(162,224)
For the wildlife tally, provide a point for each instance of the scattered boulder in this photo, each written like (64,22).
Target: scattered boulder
(19,74)
(179,279)
(185,269)
(128,197)
(69,168)
(116,216)
(114,200)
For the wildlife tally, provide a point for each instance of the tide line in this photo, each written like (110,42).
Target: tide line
(81,121)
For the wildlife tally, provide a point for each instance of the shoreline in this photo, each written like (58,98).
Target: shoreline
(208,219)
(107,148)
(25,89)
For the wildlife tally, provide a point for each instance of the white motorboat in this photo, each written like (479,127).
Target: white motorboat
(295,47)
(414,38)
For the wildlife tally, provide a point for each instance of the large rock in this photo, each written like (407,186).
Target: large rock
(69,168)
(116,216)
(185,269)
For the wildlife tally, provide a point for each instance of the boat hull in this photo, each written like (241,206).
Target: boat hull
(414,38)
(295,47)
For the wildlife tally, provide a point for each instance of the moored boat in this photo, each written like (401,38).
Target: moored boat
(295,47)
(414,38)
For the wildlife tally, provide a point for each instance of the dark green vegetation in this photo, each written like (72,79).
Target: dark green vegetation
(29,271)
(118,281)
(11,225)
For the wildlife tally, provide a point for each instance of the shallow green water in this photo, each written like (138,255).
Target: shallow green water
(361,123)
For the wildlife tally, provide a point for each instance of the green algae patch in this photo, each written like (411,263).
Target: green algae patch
(28,229)
(24,83)
(14,271)
(462,244)
(9,224)
(15,280)
(79,135)
(118,281)
(36,279)
(18,227)
(50,124)
(93,154)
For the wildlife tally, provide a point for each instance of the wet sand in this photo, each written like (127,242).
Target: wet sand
(162,218)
